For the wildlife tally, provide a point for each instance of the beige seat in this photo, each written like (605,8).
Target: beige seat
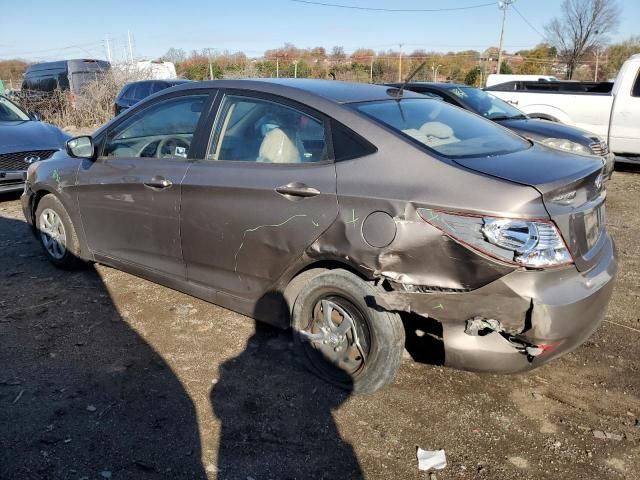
(278,147)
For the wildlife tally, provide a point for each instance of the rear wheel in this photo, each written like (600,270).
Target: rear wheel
(341,338)
(57,234)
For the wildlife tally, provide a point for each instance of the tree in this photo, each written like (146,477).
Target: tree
(337,54)
(583,26)
(174,55)
(473,77)
(505,69)
(617,53)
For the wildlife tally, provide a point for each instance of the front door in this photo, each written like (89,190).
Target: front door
(129,198)
(264,193)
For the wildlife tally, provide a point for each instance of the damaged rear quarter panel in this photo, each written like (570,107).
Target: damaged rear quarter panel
(398,180)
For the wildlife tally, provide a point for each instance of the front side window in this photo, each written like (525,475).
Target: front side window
(164,130)
(636,87)
(449,131)
(256,130)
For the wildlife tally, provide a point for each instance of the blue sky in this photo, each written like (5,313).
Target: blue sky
(75,28)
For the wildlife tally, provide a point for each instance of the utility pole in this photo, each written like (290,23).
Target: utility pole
(210,64)
(400,65)
(371,70)
(597,53)
(277,67)
(434,69)
(108,46)
(503,5)
(130,47)
(295,69)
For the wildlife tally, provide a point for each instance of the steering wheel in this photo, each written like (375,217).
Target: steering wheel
(172,143)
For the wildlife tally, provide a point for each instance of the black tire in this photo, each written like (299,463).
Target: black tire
(379,335)
(69,257)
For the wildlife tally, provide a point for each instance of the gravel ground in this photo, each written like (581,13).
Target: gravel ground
(105,375)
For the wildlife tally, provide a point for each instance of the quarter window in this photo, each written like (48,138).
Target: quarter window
(164,130)
(256,130)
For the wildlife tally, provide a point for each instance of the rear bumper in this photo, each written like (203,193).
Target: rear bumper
(543,315)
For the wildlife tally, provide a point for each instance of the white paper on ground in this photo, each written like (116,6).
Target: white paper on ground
(431,459)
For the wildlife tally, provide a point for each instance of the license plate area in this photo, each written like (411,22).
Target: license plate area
(594,222)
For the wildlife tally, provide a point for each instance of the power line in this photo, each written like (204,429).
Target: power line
(394,10)
(527,22)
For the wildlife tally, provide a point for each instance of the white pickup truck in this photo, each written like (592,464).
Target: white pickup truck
(610,110)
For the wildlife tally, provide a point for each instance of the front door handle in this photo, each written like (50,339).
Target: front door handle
(297,189)
(158,183)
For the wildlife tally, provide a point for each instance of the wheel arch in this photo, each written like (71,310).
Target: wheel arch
(43,190)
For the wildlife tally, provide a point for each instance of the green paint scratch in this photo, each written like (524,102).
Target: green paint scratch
(439,306)
(56,176)
(354,219)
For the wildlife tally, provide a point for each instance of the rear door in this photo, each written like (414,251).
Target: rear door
(264,192)
(129,198)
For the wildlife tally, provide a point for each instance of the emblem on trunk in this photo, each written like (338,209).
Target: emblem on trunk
(31,159)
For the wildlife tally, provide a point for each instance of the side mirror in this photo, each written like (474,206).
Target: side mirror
(36,117)
(81,147)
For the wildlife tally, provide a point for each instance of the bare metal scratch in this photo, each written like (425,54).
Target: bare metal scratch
(249,230)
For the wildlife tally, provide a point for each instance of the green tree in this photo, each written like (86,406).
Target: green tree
(473,77)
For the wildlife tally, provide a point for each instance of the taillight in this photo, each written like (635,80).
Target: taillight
(530,243)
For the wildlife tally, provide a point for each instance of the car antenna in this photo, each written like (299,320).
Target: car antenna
(398,94)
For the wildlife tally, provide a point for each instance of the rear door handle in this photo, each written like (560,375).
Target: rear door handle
(158,183)
(297,189)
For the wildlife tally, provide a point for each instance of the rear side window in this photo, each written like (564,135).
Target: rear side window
(636,88)
(257,130)
(348,145)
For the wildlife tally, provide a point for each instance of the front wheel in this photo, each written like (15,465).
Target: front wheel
(341,338)
(56,233)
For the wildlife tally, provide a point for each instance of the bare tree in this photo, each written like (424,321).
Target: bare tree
(175,55)
(584,24)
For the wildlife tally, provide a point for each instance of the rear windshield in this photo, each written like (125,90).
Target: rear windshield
(79,80)
(448,130)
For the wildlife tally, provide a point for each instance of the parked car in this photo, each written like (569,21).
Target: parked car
(610,110)
(133,92)
(552,134)
(331,208)
(66,75)
(23,140)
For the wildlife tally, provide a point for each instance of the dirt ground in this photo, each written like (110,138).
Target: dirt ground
(105,375)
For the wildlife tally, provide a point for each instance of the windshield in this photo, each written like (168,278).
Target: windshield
(486,105)
(448,130)
(10,112)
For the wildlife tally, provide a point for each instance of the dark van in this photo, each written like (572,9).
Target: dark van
(69,75)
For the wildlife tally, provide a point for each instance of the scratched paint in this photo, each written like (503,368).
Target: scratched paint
(56,176)
(250,230)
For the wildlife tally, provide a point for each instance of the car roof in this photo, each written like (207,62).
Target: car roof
(332,90)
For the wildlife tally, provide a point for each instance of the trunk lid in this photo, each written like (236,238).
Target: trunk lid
(572,189)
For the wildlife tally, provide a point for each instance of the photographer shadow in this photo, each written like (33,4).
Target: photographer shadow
(276,417)
(81,393)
